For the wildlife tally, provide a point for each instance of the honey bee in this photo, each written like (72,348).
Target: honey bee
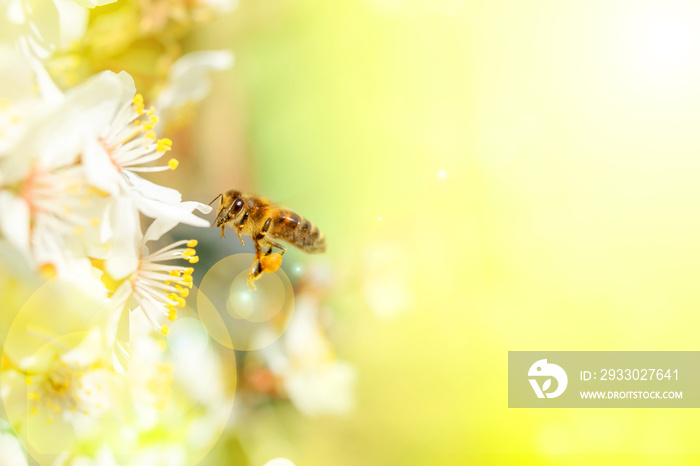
(265,223)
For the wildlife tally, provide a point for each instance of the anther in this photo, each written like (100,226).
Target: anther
(164,145)
(138,103)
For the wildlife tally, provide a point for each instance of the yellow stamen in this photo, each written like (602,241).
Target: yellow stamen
(138,103)
(188,252)
(172,317)
(193,260)
(164,330)
(152,122)
(150,135)
(173,163)
(192,243)
(164,145)
(151,111)
(174,273)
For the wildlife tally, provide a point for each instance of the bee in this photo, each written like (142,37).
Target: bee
(266,223)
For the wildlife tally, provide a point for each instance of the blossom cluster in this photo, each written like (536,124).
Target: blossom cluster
(103,360)
(73,199)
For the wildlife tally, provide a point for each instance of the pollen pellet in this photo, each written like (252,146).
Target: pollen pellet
(271,263)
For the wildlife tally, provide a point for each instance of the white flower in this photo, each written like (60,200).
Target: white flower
(122,142)
(220,6)
(64,385)
(325,389)
(279,462)
(315,381)
(153,286)
(45,214)
(11,451)
(46,25)
(189,80)
(19,102)
(95,136)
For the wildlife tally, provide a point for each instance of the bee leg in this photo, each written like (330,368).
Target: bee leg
(223,228)
(276,245)
(254,274)
(241,224)
(256,269)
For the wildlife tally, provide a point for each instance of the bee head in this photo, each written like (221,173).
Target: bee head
(231,207)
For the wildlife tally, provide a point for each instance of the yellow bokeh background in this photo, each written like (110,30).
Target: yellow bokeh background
(515,176)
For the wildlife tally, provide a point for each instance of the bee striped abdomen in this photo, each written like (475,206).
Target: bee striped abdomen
(295,229)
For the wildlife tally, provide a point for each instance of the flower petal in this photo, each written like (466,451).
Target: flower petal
(124,255)
(99,170)
(189,79)
(163,224)
(14,222)
(145,189)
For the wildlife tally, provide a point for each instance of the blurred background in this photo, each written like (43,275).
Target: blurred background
(490,176)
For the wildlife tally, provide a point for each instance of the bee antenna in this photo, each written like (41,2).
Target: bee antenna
(220,195)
